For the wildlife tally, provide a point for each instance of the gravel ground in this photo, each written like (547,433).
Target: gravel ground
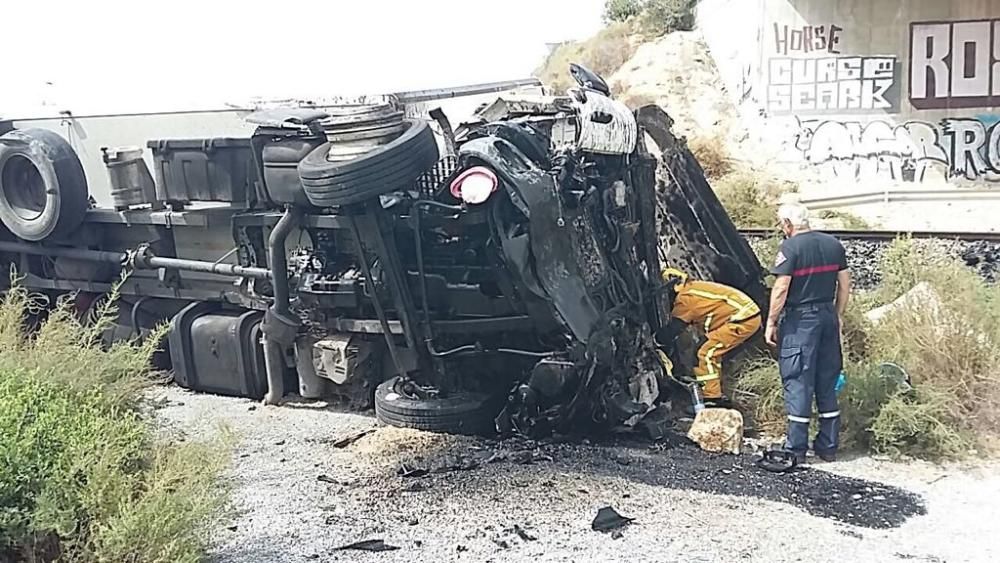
(297,497)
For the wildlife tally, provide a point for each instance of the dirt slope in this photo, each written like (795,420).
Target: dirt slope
(677,72)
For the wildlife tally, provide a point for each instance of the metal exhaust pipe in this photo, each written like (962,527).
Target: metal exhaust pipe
(280,325)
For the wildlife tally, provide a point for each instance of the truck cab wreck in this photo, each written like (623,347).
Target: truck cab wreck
(505,278)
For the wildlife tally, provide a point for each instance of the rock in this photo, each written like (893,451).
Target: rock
(718,430)
(922,297)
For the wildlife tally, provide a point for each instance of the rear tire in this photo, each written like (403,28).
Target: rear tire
(459,413)
(43,190)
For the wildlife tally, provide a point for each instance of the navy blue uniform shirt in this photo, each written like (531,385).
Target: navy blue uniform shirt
(813,260)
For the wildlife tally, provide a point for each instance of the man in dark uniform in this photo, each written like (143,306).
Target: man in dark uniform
(808,300)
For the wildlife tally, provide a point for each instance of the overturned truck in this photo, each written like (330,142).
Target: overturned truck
(505,277)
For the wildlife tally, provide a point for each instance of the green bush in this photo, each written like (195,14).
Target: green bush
(659,17)
(621,10)
(654,17)
(919,424)
(84,477)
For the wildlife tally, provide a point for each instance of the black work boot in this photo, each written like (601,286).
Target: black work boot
(718,403)
(828,457)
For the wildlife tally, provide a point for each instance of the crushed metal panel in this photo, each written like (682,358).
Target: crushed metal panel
(604,126)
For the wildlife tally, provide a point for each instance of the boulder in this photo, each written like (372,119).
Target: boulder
(922,297)
(718,430)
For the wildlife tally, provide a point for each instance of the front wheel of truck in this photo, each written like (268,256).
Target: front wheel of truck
(460,412)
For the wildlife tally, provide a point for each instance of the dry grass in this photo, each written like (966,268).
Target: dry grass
(603,53)
(844,220)
(750,197)
(712,154)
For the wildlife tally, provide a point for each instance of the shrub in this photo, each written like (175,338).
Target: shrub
(749,202)
(767,249)
(759,388)
(654,17)
(603,53)
(84,477)
(919,424)
(712,155)
(846,220)
(659,17)
(621,10)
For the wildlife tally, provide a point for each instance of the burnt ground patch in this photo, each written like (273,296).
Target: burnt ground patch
(677,464)
(858,502)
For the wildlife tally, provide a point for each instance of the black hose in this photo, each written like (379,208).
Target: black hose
(445,206)
(474,349)
(135,314)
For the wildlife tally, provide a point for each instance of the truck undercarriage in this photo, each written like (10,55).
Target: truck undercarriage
(503,278)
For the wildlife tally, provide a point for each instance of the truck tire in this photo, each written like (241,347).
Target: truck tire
(459,413)
(43,190)
(388,168)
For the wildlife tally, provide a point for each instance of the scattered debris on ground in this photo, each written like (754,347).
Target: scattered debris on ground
(608,519)
(351,438)
(284,513)
(675,464)
(368,545)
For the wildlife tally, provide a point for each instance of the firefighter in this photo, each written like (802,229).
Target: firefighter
(810,294)
(726,315)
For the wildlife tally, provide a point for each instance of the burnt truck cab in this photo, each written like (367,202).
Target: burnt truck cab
(505,277)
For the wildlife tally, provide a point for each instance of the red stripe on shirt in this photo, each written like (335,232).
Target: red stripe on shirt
(816,270)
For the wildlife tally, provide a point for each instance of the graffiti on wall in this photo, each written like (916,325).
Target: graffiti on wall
(955,64)
(957,147)
(807,39)
(832,84)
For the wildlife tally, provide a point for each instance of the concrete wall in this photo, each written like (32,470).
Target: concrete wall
(873,92)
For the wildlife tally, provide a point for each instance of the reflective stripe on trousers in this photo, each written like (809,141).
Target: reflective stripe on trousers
(809,359)
(719,343)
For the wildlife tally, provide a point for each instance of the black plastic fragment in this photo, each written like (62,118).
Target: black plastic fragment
(608,519)
(351,438)
(406,470)
(368,545)
(778,461)
(523,534)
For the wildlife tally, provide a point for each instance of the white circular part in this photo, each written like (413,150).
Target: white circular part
(476,188)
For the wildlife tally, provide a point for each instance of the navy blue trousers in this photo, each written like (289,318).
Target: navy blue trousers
(810,360)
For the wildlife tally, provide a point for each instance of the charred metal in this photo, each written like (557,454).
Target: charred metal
(511,285)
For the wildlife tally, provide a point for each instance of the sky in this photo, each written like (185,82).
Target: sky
(115,56)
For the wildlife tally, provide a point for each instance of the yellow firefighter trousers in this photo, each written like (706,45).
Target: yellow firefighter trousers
(728,317)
